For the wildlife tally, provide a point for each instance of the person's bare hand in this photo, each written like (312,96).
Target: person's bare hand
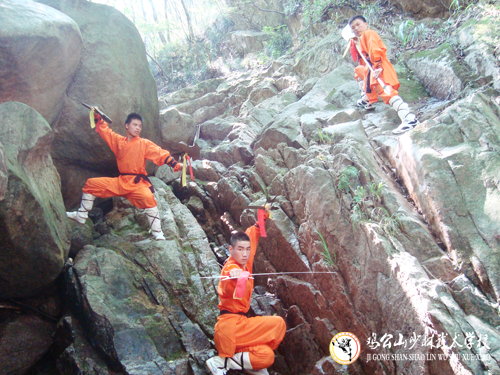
(235,272)
(377,72)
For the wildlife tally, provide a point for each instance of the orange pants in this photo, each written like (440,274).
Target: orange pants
(377,90)
(259,336)
(138,194)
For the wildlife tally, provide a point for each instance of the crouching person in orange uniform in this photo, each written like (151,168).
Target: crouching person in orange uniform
(243,343)
(133,183)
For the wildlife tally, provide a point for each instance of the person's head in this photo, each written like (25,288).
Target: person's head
(240,247)
(358,25)
(133,124)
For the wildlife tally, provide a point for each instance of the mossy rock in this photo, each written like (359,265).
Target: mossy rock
(411,90)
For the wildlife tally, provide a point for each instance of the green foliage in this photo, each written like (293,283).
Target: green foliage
(376,190)
(371,11)
(345,176)
(359,195)
(187,64)
(326,252)
(324,138)
(365,209)
(408,32)
(280,41)
(291,6)
(263,189)
(312,10)
(457,5)
(358,215)
(391,224)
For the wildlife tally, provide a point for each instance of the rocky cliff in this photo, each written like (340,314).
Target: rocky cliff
(408,226)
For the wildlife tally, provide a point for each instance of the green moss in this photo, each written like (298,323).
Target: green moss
(439,53)
(411,90)
(486,30)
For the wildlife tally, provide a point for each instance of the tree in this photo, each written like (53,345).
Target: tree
(188,18)
(155,17)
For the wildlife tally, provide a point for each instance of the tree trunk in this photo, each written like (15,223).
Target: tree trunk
(188,18)
(155,17)
(166,20)
(145,20)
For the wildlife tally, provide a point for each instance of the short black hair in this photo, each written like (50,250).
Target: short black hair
(239,236)
(358,17)
(133,116)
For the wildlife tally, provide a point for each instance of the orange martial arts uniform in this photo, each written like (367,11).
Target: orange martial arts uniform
(235,333)
(375,51)
(131,158)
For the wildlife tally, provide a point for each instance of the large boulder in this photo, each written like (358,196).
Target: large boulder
(41,50)
(440,72)
(34,230)
(142,303)
(114,75)
(425,8)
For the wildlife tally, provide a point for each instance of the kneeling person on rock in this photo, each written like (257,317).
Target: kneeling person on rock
(374,50)
(243,343)
(133,183)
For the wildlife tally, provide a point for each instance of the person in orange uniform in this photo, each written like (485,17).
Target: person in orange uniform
(133,183)
(375,50)
(243,343)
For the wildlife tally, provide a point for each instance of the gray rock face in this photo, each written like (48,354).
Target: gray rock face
(247,41)
(25,339)
(144,301)
(114,75)
(479,45)
(293,124)
(34,228)
(407,283)
(41,49)
(451,168)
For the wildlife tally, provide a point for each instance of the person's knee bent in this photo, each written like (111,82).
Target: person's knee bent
(261,357)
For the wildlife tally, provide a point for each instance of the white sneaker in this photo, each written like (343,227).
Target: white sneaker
(364,104)
(74,216)
(216,365)
(159,236)
(405,126)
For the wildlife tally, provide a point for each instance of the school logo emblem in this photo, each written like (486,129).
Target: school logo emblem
(345,348)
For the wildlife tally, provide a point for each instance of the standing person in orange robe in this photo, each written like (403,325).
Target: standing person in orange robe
(243,343)
(133,183)
(374,50)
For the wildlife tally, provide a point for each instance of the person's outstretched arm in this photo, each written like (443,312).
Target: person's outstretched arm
(254,233)
(160,156)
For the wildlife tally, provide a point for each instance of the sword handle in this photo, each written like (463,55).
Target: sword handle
(103,115)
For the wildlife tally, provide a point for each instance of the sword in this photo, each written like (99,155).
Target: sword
(97,110)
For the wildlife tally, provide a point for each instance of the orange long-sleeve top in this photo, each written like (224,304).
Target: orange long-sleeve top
(372,46)
(131,155)
(226,287)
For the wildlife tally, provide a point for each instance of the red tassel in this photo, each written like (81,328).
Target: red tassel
(262,223)
(241,285)
(190,168)
(354,52)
